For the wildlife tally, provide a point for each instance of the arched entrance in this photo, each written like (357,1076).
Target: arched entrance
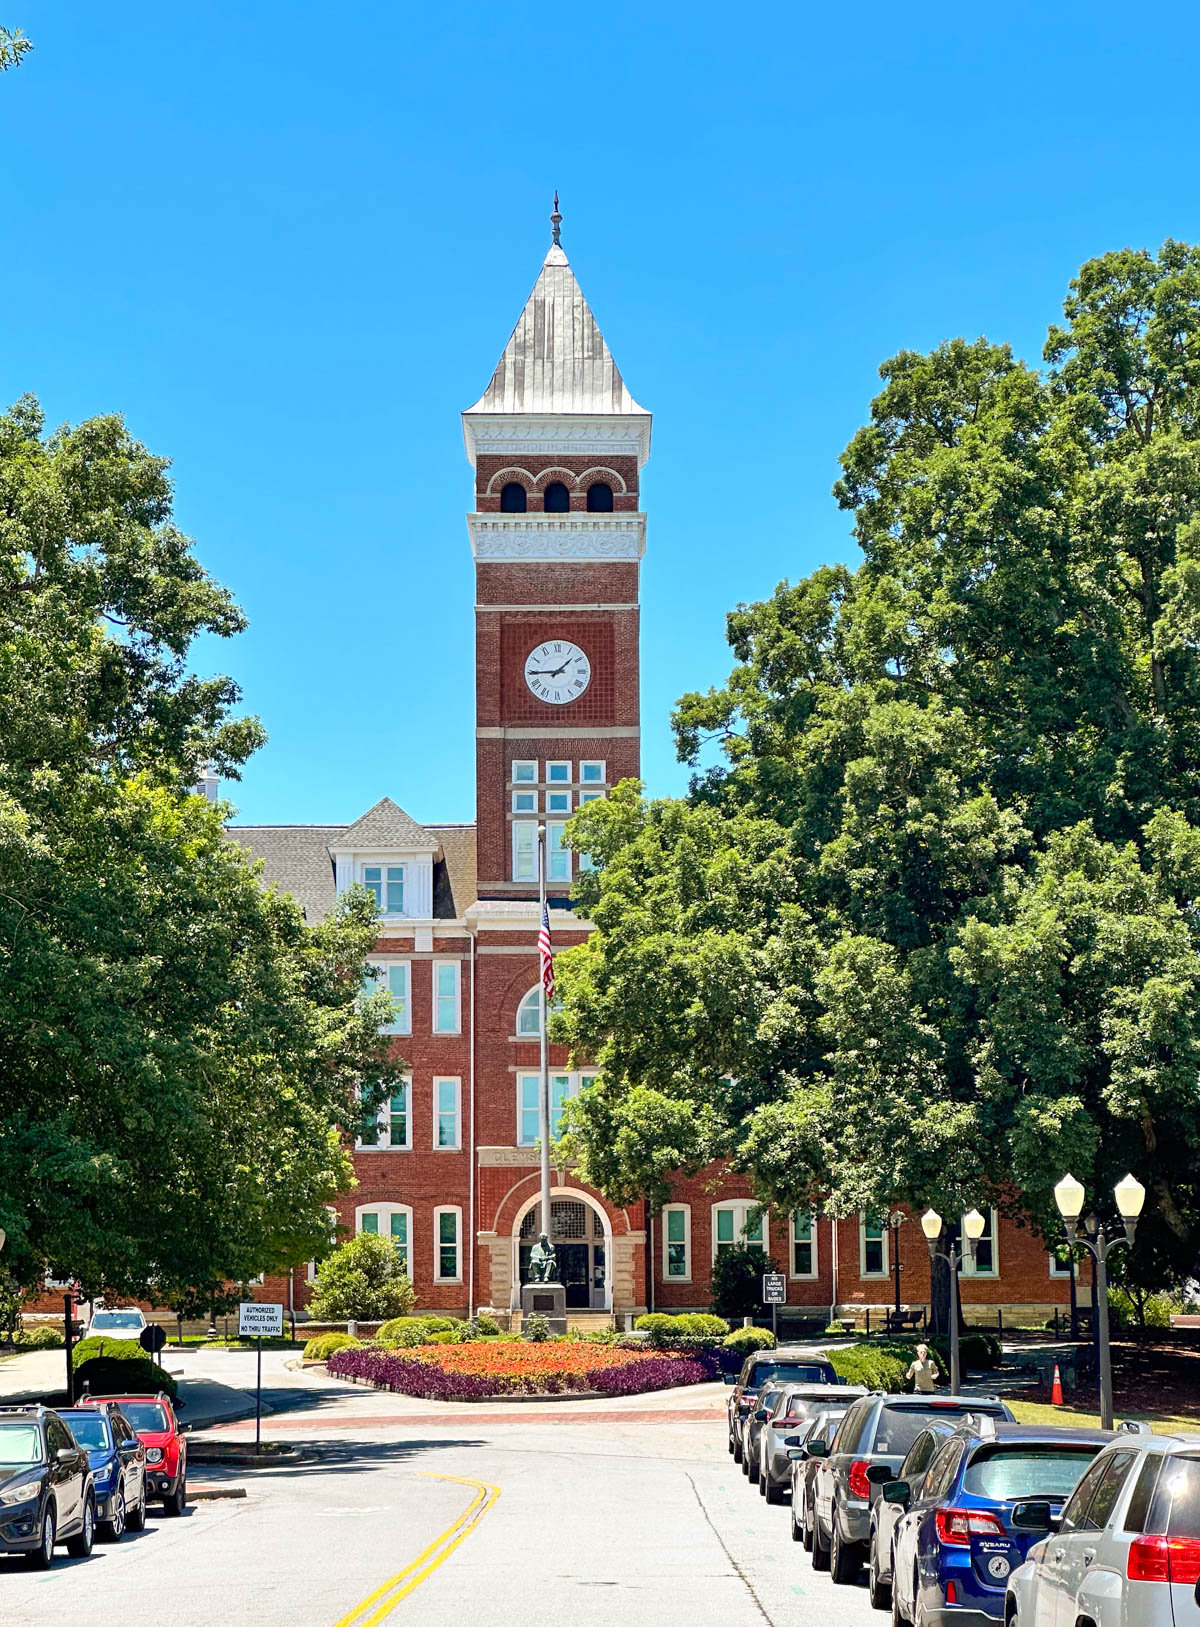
(582,1237)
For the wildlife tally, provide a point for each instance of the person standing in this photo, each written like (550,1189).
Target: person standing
(923,1371)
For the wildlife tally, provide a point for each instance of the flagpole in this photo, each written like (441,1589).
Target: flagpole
(544,1086)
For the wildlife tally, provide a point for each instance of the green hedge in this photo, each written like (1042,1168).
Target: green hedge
(118,1367)
(40,1338)
(664,1329)
(746,1340)
(324,1345)
(404,1331)
(869,1365)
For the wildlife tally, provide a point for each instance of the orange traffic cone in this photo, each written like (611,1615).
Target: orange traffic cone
(1056,1395)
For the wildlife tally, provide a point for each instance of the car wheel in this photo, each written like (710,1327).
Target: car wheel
(773,1493)
(845,1561)
(79,1547)
(878,1591)
(177,1501)
(136,1517)
(806,1514)
(819,1552)
(42,1556)
(736,1449)
(732,1447)
(797,1530)
(762,1483)
(114,1526)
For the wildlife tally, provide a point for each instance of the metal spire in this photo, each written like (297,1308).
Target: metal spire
(556,221)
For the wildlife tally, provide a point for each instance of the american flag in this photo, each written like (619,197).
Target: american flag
(546,955)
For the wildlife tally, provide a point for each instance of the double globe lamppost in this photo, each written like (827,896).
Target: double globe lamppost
(1130,1195)
(974,1226)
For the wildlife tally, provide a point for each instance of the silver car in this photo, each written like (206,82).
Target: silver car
(791,1408)
(822,1428)
(1126,1551)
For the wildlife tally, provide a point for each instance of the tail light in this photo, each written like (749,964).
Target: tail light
(1164,1559)
(860,1486)
(956,1526)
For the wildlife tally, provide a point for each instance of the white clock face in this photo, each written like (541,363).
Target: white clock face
(557,671)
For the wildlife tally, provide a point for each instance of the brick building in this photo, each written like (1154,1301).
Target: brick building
(450,1172)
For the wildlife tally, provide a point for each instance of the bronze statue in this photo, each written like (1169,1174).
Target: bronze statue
(543,1262)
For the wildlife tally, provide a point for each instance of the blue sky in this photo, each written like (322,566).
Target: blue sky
(288,242)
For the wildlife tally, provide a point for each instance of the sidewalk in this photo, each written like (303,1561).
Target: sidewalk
(202,1400)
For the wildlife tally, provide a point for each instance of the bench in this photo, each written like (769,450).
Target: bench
(898,1321)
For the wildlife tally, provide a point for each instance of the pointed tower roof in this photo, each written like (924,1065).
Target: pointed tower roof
(383,826)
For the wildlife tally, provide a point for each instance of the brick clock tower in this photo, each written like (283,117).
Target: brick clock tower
(557,444)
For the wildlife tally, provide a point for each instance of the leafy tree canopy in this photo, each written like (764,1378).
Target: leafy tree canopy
(180,1055)
(928,930)
(363,1280)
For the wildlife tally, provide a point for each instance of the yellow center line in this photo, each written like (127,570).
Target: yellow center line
(428,1560)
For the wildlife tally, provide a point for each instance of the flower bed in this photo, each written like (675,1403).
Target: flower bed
(476,1371)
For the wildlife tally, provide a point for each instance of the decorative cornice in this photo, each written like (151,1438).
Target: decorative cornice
(557,536)
(502,434)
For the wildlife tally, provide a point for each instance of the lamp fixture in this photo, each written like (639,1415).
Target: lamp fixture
(931,1225)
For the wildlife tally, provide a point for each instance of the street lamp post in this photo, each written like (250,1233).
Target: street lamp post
(895,1220)
(974,1225)
(1130,1195)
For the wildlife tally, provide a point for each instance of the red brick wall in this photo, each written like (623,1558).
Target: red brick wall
(536,473)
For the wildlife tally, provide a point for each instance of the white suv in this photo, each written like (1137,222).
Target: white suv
(1126,1552)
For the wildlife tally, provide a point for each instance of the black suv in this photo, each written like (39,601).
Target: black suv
(46,1490)
(871,1443)
(767,1367)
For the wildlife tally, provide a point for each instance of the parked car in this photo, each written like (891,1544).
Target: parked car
(752,1426)
(888,1509)
(781,1365)
(1126,1550)
(954,1547)
(46,1492)
(879,1429)
(821,1428)
(117,1324)
(118,1462)
(793,1406)
(153,1420)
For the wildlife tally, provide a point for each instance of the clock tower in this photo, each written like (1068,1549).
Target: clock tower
(557,444)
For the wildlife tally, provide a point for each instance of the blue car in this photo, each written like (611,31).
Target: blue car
(955,1544)
(118,1463)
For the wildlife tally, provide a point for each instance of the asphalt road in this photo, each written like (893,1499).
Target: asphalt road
(596,1513)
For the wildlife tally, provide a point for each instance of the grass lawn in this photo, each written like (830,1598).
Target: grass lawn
(1041,1412)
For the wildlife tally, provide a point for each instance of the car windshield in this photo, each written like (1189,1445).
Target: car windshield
(1007,1472)
(117,1322)
(145,1416)
(900,1426)
(790,1372)
(89,1429)
(20,1443)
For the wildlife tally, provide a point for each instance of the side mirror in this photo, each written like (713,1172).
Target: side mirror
(129,1449)
(67,1454)
(797,1454)
(879,1474)
(1032,1516)
(729,1378)
(791,1440)
(817,1449)
(761,1416)
(896,1491)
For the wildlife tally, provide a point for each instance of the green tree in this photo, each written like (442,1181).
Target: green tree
(926,928)
(180,1055)
(13,46)
(363,1280)
(735,1283)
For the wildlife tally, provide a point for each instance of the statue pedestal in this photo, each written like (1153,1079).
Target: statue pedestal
(548,1299)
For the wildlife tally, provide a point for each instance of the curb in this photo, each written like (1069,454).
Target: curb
(248,1459)
(214,1494)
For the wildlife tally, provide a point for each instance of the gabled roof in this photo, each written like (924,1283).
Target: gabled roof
(385,825)
(556,360)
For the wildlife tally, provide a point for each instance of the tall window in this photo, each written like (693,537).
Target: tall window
(524,840)
(513,499)
(392,1220)
(677,1242)
(804,1245)
(562,1087)
(872,1248)
(558,857)
(529,1014)
(446,1094)
(734,1223)
(386,883)
(447,1224)
(393,977)
(445,997)
(391,1128)
(987,1255)
(557,499)
(600,497)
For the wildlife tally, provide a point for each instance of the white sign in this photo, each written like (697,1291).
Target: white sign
(774,1288)
(259,1321)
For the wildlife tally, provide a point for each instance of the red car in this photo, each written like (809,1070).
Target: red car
(156,1426)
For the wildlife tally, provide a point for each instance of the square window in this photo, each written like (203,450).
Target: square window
(370,1223)
(558,773)
(591,773)
(590,796)
(445,997)
(558,802)
(524,802)
(524,773)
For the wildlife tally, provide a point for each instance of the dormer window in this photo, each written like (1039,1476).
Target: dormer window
(386,881)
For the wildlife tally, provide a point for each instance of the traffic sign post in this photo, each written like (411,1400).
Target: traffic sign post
(152,1338)
(774,1294)
(257,1321)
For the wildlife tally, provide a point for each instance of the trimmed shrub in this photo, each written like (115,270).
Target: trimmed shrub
(745,1340)
(363,1280)
(866,1364)
(664,1329)
(487,1326)
(446,1338)
(118,1367)
(327,1344)
(41,1338)
(535,1328)
(735,1284)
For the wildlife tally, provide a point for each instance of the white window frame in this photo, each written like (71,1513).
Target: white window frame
(439,1145)
(552,778)
(384,982)
(970,1269)
(684,1209)
(531,997)
(741,1208)
(814,1271)
(554,832)
(385,1143)
(565,812)
(456,1211)
(436,996)
(884,1239)
(383,1212)
(383,866)
(528,871)
(310,1269)
(592,762)
(531,797)
(575,1083)
(519,777)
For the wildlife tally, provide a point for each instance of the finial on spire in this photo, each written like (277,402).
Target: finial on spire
(555,220)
